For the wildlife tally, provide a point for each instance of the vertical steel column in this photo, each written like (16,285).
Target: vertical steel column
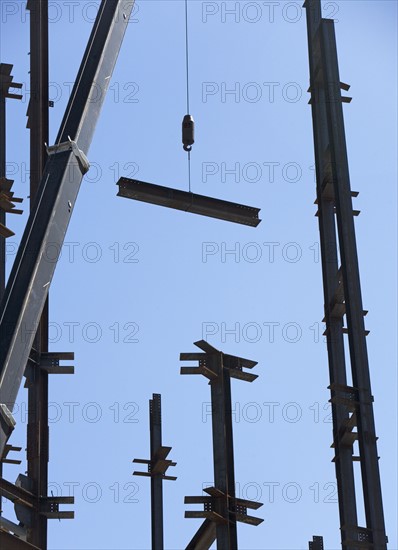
(155,423)
(353,300)
(328,243)
(37,378)
(6,82)
(2,213)
(351,406)
(222,450)
(157,467)
(2,220)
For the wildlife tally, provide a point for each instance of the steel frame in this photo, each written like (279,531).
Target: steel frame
(352,405)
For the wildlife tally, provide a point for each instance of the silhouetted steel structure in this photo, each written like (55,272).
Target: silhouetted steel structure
(221,506)
(24,309)
(157,467)
(55,177)
(352,402)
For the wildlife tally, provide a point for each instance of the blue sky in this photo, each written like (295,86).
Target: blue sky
(137,284)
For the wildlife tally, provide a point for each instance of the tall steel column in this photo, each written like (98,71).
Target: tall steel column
(36,377)
(352,405)
(6,196)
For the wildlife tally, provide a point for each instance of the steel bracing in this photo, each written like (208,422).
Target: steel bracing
(352,401)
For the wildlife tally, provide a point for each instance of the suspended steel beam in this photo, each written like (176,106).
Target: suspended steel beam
(188,202)
(32,271)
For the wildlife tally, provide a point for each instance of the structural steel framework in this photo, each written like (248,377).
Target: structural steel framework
(56,174)
(352,403)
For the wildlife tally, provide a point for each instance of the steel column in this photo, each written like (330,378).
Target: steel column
(155,423)
(351,405)
(2,213)
(157,467)
(37,378)
(353,300)
(328,243)
(222,451)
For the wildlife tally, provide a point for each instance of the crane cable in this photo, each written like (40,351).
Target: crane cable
(187,85)
(187,52)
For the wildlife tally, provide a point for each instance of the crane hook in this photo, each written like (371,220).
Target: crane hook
(188,132)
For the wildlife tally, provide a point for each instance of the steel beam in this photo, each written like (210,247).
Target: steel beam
(32,271)
(204,536)
(188,202)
